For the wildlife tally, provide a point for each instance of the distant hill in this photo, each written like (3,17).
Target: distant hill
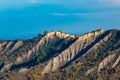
(61,56)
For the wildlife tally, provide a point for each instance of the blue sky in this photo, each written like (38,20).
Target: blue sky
(26,18)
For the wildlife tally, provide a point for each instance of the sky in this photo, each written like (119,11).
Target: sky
(27,18)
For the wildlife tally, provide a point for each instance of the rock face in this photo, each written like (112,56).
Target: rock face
(47,39)
(116,62)
(9,47)
(6,67)
(17,45)
(7,51)
(52,36)
(90,71)
(106,61)
(24,70)
(86,54)
(2,47)
(67,55)
(103,40)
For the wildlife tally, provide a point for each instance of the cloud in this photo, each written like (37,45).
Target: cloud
(59,14)
(82,2)
(71,3)
(6,4)
(111,1)
(86,14)
(35,1)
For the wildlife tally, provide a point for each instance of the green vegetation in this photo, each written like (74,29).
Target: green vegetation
(53,48)
(76,70)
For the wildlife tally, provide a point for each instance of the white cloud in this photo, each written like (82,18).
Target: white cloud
(82,1)
(35,1)
(85,14)
(110,1)
(59,14)
(72,3)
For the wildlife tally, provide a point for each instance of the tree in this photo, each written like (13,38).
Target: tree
(39,35)
(45,32)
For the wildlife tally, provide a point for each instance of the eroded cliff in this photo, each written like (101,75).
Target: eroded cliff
(67,55)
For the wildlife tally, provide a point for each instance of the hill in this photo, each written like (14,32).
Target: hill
(61,56)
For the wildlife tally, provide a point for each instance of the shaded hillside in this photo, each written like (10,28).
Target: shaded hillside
(100,61)
(18,54)
(61,56)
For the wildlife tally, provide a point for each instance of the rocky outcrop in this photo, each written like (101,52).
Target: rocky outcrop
(17,45)
(6,67)
(92,53)
(24,70)
(2,46)
(106,61)
(55,35)
(90,71)
(52,36)
(101,41)
(7,50)
(25,56)
(5,47)
(116,62)
(67,55)
(8,44)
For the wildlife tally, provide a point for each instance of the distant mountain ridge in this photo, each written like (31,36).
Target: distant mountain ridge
(61,56)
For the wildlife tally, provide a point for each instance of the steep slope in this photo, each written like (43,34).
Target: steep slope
(25,54)
(81,43)
(61,56)
(104,47)
(11,50)
(98,62)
